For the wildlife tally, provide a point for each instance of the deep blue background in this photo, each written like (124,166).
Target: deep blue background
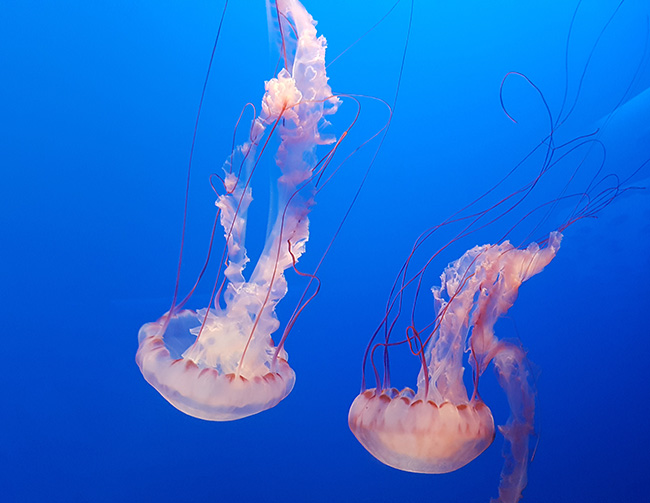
(97,106)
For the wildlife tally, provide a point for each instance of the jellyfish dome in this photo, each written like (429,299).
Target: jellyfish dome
(419,435)
(210,385)
(439,429)
(221,363)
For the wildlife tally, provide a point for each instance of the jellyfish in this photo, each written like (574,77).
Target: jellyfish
(439,426)
(220,363)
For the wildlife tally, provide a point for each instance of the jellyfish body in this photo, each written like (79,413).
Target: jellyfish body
(220,363)
(439,429)
(417,434)
(208,392)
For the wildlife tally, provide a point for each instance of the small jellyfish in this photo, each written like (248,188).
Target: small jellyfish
(439,427)
(220,363)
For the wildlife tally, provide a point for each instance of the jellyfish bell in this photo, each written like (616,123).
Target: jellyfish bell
(220,363)
(211,387)
(418,435)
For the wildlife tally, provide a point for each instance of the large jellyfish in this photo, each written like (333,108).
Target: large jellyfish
(220,363)
(439,427)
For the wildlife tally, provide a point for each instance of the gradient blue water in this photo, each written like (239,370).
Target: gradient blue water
(97,105)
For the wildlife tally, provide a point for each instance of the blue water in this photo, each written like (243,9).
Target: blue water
(97,108)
